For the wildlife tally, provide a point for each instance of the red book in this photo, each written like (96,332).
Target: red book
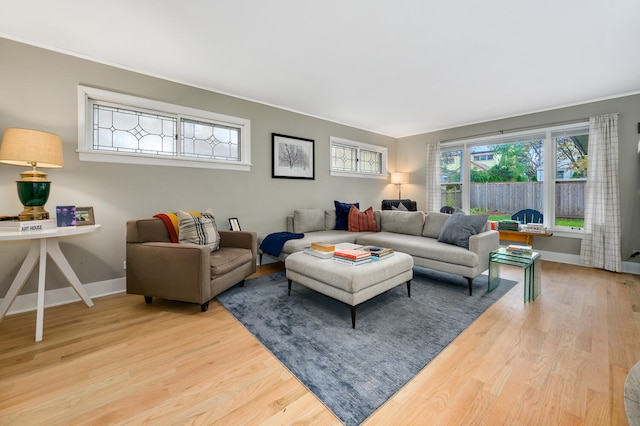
(352,253)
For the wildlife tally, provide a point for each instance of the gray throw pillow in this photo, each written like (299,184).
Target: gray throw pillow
(308,220)
(460,227)
(433,224)
(400,207)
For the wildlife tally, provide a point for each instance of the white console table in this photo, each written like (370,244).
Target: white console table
(43,243)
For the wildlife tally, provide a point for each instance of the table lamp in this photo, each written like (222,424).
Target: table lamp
(399,178)
(24,147)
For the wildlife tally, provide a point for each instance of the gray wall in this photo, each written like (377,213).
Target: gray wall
(38,89)
(411,158)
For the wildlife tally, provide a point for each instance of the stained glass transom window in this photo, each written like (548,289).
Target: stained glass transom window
(350,158)
(118,128)
(207,140)
(123,130)
(344,158)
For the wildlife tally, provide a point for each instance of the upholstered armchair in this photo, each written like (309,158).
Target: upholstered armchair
(157,267)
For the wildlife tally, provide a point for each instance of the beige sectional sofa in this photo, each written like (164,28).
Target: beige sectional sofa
(414,233)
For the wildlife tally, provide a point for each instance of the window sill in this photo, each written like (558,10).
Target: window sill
(356,175)
(102,157)
(566,233)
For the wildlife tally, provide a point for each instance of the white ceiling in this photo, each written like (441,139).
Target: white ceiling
(397,67)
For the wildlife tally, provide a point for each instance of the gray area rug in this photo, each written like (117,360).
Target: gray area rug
(352,371)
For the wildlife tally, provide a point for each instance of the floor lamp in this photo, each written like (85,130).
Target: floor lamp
(399,178)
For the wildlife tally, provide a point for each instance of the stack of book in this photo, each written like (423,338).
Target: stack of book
(27,226)
(508,225)
(352,256)
(519,249)
(378,252)
(536,227)
(321,250)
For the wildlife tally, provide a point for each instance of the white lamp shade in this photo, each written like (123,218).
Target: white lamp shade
(400,177)
(24,147)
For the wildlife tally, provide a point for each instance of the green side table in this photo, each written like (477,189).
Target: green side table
(531,264)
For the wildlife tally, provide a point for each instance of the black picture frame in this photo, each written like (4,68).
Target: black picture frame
(65,216)
(234,224)
(292,157)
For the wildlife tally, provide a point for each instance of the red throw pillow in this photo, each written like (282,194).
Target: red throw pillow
(361,221)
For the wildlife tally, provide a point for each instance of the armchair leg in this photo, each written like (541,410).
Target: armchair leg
(204,307)
(148,299)
(241,283)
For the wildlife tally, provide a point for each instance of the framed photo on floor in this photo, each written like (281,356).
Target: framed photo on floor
(292,157)
(84,216)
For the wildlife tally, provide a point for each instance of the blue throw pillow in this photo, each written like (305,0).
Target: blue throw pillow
(342,214)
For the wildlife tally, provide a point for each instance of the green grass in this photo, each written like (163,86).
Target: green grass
(571,223)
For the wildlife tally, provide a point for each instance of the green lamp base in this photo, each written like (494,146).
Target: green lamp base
(33,196)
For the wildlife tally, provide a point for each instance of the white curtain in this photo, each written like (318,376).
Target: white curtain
(601,241)
(432,195)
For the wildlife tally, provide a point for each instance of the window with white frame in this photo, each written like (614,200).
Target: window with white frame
(350,158)
(113,127)
(518,177)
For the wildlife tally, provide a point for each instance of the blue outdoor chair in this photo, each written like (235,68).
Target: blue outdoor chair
(528,216)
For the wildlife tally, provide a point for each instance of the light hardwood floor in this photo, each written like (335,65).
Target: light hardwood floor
(560,360)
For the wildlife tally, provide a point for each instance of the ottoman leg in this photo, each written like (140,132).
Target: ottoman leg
(353,316)
(409,288)
(289,294)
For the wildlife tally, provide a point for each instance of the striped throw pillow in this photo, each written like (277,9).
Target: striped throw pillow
(198,229)
(362,221)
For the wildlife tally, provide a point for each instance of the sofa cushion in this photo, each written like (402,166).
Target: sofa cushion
(402,222)
(460,227)
(200,230)
(433,224)
(421,247)
(330,219)
(308,220)
(329,237)
(362,221)
(342,214)
(228,259)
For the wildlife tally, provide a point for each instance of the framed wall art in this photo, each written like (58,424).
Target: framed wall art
(292,157)
(84,216)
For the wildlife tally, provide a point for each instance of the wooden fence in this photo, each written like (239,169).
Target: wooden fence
(510,197)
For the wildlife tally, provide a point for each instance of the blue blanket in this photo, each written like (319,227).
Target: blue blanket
(272,243)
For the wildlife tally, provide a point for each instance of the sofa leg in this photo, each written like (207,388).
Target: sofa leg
(204,307)
(470,280)
(260,262)
(148,299)
(353,316)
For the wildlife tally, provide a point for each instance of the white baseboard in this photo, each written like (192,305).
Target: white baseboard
(62,296)
(574,259)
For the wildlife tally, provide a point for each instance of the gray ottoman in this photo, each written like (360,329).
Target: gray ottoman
(349,284)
